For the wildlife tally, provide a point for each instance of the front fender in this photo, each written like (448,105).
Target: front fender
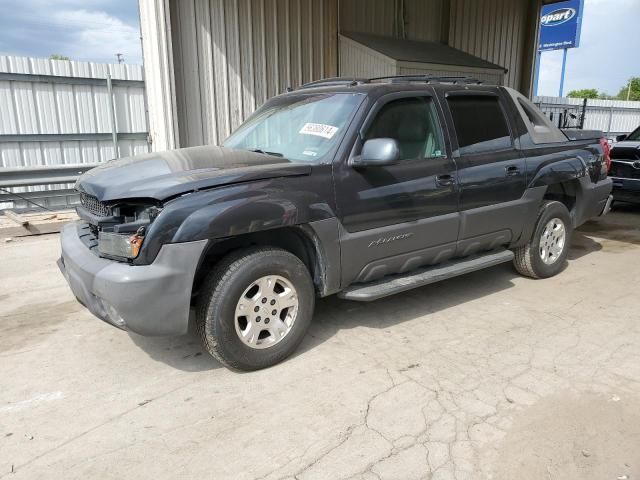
(238,209)
(248,215)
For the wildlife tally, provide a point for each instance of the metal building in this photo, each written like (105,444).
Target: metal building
(210,63)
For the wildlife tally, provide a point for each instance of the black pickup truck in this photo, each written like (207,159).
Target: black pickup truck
(361,188)
(625,168)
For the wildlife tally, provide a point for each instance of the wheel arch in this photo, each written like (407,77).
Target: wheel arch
(565,192)
(312,243)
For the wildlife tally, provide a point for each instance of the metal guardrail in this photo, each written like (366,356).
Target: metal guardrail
(13,180)
(28,77)
(69,137)
(45,175)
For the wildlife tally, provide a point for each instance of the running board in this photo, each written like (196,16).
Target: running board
(367,292)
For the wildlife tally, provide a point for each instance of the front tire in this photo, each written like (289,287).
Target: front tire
(545,255)
(255,308)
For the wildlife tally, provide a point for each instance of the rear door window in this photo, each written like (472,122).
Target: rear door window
(480,123)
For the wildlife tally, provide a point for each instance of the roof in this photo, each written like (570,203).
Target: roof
(420,52)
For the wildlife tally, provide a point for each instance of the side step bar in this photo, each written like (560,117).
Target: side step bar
(367,292)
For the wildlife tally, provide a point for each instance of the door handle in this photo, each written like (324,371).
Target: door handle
(512,171)
(445,180)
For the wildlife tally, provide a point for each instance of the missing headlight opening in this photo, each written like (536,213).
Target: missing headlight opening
(121,235)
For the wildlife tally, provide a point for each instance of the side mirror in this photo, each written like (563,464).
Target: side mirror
(621,138)
(377,152)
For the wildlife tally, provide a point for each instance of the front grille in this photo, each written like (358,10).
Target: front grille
(95,206)
(625,169)
(625,154)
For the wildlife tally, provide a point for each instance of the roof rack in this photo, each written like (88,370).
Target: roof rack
(351,82)
(331,82)
(454,79)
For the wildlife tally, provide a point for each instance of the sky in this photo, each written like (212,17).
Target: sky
(85,30)
(95,30)
(609,51)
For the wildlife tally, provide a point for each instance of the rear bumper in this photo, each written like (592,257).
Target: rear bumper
(594,199)
(626,189)
(147,299)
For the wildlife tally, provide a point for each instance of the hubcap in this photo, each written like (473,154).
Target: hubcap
(552,241)
(266,311)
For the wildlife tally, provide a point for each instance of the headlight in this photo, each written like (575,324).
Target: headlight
(120,245)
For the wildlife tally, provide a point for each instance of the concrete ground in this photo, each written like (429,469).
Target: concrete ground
(485,376)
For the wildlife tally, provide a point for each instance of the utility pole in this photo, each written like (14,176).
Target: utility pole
(629,91)
(120,57)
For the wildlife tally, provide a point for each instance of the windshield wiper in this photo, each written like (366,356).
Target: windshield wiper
(259,150)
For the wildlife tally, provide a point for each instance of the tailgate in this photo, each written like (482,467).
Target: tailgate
(576,135)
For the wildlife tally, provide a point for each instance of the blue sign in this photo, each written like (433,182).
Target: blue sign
(560,25)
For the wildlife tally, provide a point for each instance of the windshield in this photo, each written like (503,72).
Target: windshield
(634,136)
(301,128)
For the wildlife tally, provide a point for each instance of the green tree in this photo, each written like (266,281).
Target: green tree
(631,91)
(584,93)
(57,56)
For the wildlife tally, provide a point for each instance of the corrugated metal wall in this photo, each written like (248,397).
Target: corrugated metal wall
(40,107)
(369,16)
(230,56)
(494,30)
(423,20)
(412,19)
(611,116)
(159,74)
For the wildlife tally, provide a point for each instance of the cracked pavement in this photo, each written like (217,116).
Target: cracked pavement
(489,375)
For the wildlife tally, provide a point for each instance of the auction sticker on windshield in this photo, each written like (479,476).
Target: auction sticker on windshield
(318,129)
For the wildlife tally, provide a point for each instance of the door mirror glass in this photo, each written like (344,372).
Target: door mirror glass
(621,138)
(378,152)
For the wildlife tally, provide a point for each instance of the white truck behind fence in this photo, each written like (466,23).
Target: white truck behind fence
(57,114)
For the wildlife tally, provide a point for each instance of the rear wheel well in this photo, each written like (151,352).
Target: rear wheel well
(291,239)
(565,193)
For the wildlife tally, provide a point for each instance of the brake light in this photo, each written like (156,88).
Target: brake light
(606,151)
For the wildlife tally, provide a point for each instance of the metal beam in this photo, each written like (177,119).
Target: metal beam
(70,137)
(42,175)
(101,82)
(445,22)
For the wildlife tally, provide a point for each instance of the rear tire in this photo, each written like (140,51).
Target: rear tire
(264,279)
(545,255)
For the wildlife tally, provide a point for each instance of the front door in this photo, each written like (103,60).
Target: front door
(397,218)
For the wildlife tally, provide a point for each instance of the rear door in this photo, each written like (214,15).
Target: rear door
(396,218)
(491,171)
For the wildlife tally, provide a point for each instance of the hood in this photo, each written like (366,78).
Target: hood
(163,175)
(626,150)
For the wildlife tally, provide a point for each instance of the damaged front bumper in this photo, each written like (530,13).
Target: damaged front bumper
(146,299)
